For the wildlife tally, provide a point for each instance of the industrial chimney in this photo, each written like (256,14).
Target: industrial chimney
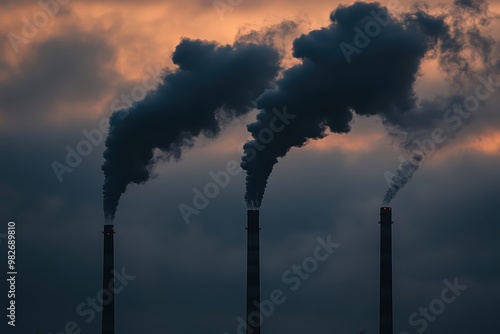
(108,309)
(386,270)
(253,273)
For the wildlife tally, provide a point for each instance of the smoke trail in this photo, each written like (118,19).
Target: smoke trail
(346,68)
(213,84)
(466,17)
(402,177)
(409,131)
(444,116)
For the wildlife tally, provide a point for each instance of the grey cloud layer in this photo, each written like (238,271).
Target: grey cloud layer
(67,70)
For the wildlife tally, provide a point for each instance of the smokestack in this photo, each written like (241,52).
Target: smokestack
(385,270)
(253,273)
(108,309)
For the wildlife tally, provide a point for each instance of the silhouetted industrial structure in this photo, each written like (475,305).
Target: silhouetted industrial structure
(253,272)
(386,321)
(108,309)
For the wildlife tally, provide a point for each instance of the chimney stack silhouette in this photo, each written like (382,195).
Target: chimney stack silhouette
(108,309)
(253,273)
(386,321)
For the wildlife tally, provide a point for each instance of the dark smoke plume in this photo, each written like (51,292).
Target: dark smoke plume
(212,85)
(351,67)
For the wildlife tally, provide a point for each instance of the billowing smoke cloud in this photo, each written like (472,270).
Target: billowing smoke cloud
(366,62)
(212,85)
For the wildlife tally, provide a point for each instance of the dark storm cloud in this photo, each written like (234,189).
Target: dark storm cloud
(336,79)
(69,69)
(212,85)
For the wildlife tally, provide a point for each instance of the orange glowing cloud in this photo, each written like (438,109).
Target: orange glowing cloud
(348,143)
(488,143)
(146,33)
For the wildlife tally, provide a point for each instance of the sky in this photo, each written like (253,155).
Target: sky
(63,74)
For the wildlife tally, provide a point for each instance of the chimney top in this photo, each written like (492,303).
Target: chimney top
(385,215)
(109,229)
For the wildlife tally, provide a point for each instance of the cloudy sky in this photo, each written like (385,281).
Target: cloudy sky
(62,75)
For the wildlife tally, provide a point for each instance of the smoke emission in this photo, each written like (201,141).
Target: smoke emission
(465,17)
(212,85)
(343,71)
